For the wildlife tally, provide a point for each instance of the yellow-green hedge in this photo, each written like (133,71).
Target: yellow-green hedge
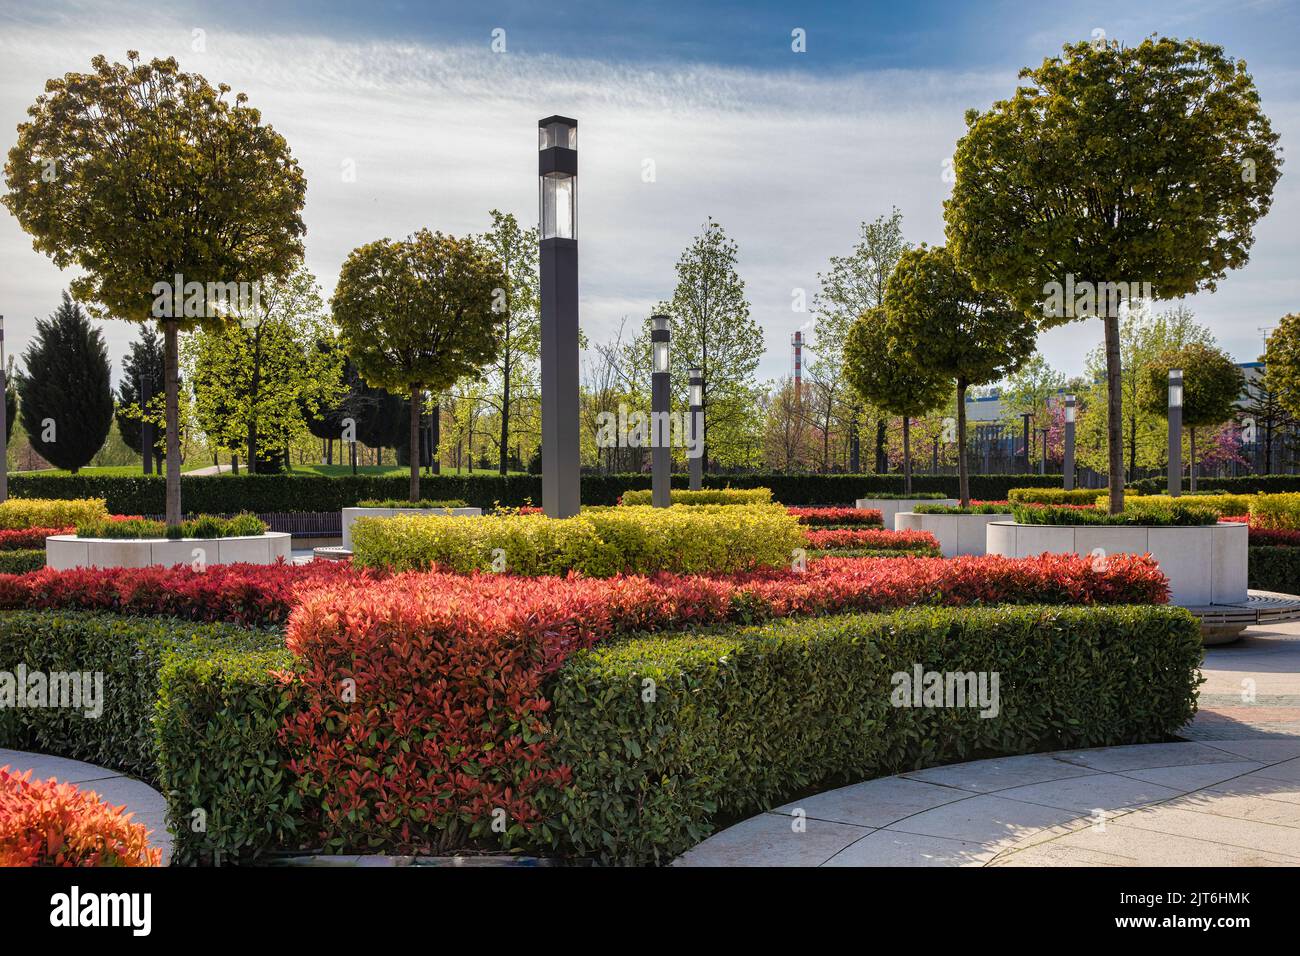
(1223,504)
(1275,511)
(598,542)
(709,496)
(1054,496)
(50,512)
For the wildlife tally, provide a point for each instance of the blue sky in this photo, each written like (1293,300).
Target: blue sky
(788,151)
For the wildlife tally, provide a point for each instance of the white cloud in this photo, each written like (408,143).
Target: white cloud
(788,163)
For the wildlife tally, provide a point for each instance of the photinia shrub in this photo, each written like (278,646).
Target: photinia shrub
(47,823)
(831,539)
(837,516)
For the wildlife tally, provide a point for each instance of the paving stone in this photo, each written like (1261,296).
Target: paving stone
(875,803)
(1142,847)
(1265,751)
(1211,828)
(1278,790)
(891,848)
(1001,773)
(1288,771)
(1193,776)
(1145,756)
(770,840)
(1105,791)
(1242,806)
(987,818)
(63,769)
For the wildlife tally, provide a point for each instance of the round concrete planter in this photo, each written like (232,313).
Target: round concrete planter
(888,507)
(1205,565)
(957,534)
(352,514)
(66,551)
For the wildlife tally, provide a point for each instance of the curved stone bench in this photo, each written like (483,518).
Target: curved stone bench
(66,551)
(957,534)
(889,507)
(352,514)
(1205,564)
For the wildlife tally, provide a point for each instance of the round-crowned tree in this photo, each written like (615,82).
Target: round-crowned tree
(419,314)
(941,322)
(1113,173)
(1212,384)
(65,392)
(221,211)
(885,375)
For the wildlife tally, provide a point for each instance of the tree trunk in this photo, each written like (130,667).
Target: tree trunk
(882,462)
(435,438)
(1191,461)
(171,359)
(1114,413)
(505,417)
(963,478)
(252,448)
(414,456)
(907,455)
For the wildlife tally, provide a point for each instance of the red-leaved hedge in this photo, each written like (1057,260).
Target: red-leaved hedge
(248,594)
(422,719)
(827,539)
(831,516)
(47,823)
(16,539)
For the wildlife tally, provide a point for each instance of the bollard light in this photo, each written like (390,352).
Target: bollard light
(557,166)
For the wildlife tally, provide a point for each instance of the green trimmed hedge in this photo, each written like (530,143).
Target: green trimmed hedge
(1243,485)
(667,734)
(220,760)
(1134,513)
(129,652)
(1274,568)
(263,494)
(22,560)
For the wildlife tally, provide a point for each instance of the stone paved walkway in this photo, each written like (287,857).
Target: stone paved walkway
(141,800)
(1230,796)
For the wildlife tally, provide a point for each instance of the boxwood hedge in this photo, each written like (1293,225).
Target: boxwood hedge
(263,494)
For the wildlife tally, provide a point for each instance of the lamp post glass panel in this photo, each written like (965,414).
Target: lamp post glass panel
(1175,431)
(695,379)
(557,166)
(1068,465)
(660,435)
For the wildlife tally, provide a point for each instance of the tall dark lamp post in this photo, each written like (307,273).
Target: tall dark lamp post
(1175,431)
(557,167)
(1025,416)
(660,449)
(695,463)
(1068,466)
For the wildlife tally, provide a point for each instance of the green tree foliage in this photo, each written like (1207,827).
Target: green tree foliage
(1143,336)
(260,373)
(852,285)
(1270,405)
(713,330)
(1212,383)
(143,373)
(419,314)
(942,324)
(222,205)
(64,392)
(519,334)
(1282,359)
(1113,167)
(1030,390)
(878,367)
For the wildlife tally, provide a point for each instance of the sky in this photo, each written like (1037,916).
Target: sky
(407,115)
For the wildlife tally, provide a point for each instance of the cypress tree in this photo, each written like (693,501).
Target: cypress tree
(141,368)
(64,393)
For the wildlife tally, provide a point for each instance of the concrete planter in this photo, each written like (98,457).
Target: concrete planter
(889,507)
(957,534)
(66,551)
(352,514)
(1205,565)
